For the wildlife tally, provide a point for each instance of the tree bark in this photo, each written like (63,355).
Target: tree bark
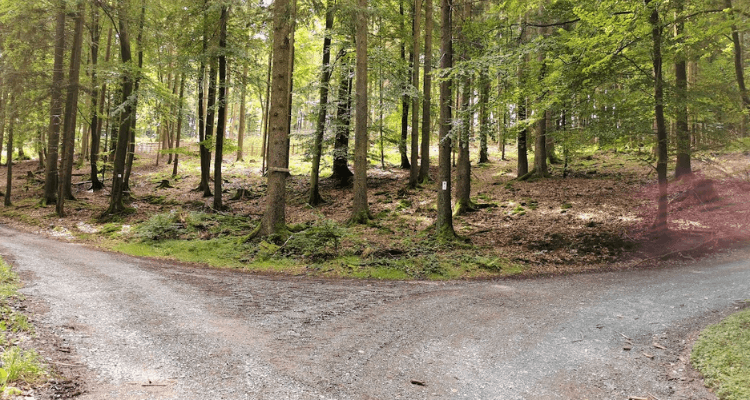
(424,161)
(116,205)
(660,225)
(96,184)
(9,151)
(178,133)
(739,69)
(484,115)
(523,160)
(2,118)
(341,173)
(444,223)
(405,164)
(64,191)
(243,111)
(56,110)
(414,168)
(205,155)
(682,167)
(137,93)
(222,112)
(325,79)
(274,218)
(360,208)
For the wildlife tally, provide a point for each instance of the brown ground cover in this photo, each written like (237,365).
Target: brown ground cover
(598,217)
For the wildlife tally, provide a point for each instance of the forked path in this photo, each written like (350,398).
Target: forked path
(152,329)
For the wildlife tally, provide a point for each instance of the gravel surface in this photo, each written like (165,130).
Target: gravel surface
(133,328)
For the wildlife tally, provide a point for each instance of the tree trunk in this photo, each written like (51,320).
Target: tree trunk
(484,115)
(96,103)
(405,164)
(203,131)
(444,223)
(341,172)
(265,118)
(116,205)
(682,167)
(660,225)
(523,161)
(274,218)
(178,134)
(424,161)
(137,92)
(222,112)
(739,69)
(414,168)
(360,208)
(56,110)
(9,151)
(64,191)
(325,78)
(243,111)
(2,118)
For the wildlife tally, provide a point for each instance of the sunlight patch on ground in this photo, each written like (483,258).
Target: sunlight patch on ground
(687,224)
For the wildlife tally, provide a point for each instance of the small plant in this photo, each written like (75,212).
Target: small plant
(22,365)
(519,210)
(320,241)
(159,227)
(566,206)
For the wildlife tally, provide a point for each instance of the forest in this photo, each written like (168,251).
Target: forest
(390,130)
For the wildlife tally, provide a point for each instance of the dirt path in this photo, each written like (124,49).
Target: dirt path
(148,329)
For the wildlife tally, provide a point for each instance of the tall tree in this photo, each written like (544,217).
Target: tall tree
(95,29)
(205,156)
(274,217)
(682,132)
(222,120)
(136,94)
(9,150)
(56,110)
(116,205)
(660,225)
(71,112)
(325,78)
(360,208)
(414,169)
(463,168)
(405,164)
(444,223)
(341,173)
(243,114)
(523,161)
(180,115)
(424,164)
(739,69)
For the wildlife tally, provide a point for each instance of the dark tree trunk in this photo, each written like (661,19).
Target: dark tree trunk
(56,110)
(739,69)
(325,78)
(523,160)
(178,133)
(360,208)
(682,167)
(274,218)
(9,151)
(414,168)
(424,161)
(210,121)
(484,115)
(96,103)
(264,148)
(444,223)
(136,91)
(341,173)
(203,131)
(2,118)
(222,112)
(404,100)
(660,225)
(64,191)
(116,205)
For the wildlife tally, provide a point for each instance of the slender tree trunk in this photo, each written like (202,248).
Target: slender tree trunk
(64,191)
(381,105)
(96,184)
(341,172)
(178,134)
(660,225)
(210,123)
(682,167)
(56,110)
(405,164)
(739,69)
(2,118)
(360,208)
(444,223)
(9,150)
(424,161)
(243,111)
(266,115)
(523,161)
(123,136)
(274,218)
(463,168)
(414,169)
(325,78)
(202,129)
(134,115)
(484,115)
(222,112)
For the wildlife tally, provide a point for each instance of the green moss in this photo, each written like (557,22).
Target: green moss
(519,210)
(220,252)
(566,206)
(722,355)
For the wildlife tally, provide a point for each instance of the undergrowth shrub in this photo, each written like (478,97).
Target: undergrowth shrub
(159,227)
(318,242)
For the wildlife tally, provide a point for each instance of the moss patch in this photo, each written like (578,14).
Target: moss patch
(722,355)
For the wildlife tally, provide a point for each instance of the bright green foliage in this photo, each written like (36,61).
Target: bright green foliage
(722,355)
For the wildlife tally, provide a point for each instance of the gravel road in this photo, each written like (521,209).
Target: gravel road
(145,329)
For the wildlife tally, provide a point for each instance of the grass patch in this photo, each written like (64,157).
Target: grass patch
(722,355)
(19,366)
(220,252)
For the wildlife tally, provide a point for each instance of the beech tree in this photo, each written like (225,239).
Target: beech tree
(360,207)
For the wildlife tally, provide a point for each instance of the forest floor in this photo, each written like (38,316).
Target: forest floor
(598,217)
